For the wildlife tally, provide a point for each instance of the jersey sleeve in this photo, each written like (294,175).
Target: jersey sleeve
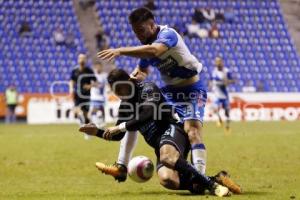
(117,137)
(151,98)
(229,75)
(167,37)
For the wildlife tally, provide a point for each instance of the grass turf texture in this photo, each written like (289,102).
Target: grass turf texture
(55,162)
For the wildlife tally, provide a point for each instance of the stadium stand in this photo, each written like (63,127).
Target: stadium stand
(33,62)
(257,46)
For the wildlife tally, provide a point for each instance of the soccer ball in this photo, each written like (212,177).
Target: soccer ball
(140,169)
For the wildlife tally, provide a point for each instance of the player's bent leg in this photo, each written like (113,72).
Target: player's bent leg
(174,146)
(219,121)
(168,155)
(194,130)
(168,178)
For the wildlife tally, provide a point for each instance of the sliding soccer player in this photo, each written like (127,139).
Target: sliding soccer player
(144,109)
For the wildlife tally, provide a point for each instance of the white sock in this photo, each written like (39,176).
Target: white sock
(97,120)
(80,118)
(127,146)
(199,157)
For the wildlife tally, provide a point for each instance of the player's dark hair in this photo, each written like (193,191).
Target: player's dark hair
(140,15)
(117,75)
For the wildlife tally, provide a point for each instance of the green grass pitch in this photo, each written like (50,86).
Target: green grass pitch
(55,162)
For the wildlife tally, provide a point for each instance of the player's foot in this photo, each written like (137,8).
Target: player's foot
(219,123)
(220,190)
(223,178)
(227,130)
(118,171)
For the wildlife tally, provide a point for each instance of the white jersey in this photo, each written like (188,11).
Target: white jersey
(177,63)
(99,93)
(218,78)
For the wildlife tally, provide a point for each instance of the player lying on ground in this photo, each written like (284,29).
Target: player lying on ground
(160,131)
(221,78)
(163,48)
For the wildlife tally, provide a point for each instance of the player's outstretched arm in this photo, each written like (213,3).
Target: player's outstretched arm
(91,129)
(143,51)
(229,81)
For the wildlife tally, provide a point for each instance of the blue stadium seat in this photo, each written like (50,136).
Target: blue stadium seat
(257,46)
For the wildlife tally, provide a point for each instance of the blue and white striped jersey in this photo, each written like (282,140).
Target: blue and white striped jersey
(218,78)
(177,63)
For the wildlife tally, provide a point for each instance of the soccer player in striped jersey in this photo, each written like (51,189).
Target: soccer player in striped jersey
(220,79)
(98,96)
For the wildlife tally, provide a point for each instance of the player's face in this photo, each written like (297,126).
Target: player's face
(219,64)
(81,59)
(144,31)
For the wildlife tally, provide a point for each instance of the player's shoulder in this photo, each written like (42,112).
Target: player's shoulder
(214,71)
(226,69)
(166,30)
(75,68)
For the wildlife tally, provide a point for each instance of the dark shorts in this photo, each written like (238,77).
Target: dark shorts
(82,103)
(176,137)
(12,107)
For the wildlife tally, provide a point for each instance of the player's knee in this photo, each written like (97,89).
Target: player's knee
(193,134)
(166,180)
(168,155)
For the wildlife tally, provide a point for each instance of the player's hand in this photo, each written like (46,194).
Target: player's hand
(87,86)
(138,75)
(108,54)
(227,82)
(110,132)
(90,129)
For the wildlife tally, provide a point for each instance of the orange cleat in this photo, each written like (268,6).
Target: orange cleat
(118,171)
(224,179)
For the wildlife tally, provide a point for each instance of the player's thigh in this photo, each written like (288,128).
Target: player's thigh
(176,139)
(225,104)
